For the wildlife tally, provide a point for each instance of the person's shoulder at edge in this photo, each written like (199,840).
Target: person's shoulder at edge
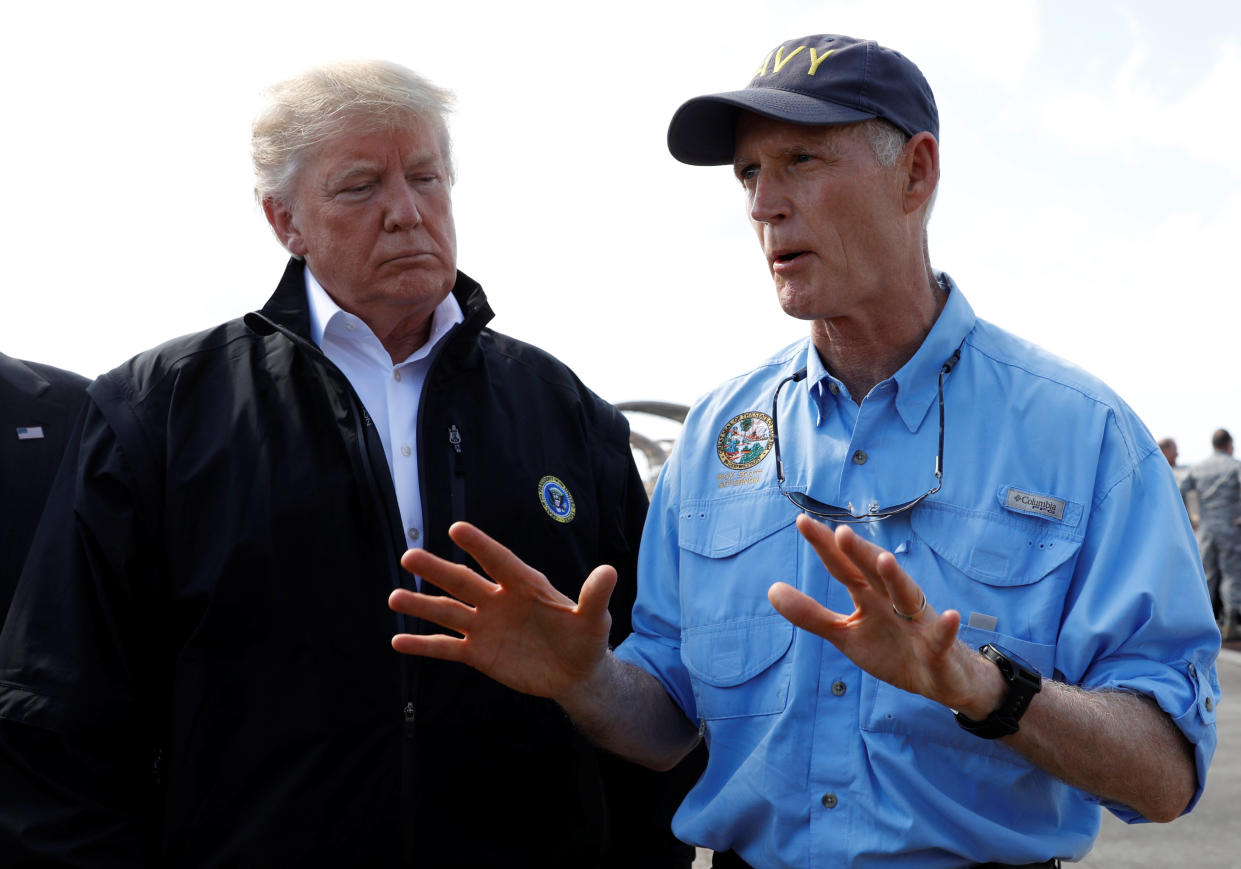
(1073,382)
(55,377)
(1007,348)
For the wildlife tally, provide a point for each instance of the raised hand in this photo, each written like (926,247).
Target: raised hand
(892,633)
(517,629)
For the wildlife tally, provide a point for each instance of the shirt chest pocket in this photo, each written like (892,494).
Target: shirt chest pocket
(999,550)
(733,642)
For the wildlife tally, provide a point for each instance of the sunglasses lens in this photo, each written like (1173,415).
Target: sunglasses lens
(809,505)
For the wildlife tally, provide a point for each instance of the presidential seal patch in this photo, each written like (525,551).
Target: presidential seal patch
(556,500)
(745,441)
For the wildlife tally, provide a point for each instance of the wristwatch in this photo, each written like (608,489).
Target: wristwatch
(1024,681)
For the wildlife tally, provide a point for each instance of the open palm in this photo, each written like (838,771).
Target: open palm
(515,627)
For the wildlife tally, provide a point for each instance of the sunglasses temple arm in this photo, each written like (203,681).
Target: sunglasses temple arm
(943,372)
(797,377)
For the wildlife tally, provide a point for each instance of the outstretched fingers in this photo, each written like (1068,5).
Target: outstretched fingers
(848,558)
(502,564)
(456,579)
(515,626)
(804,611)
(943,632)
(596,593)
(440,646)
(907,599)
(904,597)
(445,611)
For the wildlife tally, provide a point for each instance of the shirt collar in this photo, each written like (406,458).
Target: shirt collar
(323,310)
(820,382)
(917,381)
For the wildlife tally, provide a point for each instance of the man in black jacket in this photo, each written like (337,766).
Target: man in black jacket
(197,670)
(38,404)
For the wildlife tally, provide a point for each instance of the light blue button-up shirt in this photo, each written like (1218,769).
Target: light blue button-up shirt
(1058,533)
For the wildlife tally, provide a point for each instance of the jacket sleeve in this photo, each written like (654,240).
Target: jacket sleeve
(641,802)
(76,747)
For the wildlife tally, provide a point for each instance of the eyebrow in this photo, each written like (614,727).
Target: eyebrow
(797,147)
(352,170)
(827,145)
(364,167)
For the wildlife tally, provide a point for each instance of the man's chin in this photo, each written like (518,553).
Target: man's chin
(419,282)
(798,304)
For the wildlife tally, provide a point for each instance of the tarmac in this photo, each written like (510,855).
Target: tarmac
(1209,837)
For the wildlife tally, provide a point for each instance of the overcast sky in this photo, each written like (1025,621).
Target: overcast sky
(1090,198)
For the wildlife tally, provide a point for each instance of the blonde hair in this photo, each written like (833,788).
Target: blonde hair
(322,102)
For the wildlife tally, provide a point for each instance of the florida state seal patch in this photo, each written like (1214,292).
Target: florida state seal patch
(745,440)
(556,499)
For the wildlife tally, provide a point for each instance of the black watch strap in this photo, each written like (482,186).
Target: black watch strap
(1024,681)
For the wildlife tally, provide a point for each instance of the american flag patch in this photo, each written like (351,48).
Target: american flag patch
(29,433)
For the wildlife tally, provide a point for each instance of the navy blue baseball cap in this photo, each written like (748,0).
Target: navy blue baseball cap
(823,79)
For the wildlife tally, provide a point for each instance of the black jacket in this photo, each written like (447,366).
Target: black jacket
(199,654)
(38,404)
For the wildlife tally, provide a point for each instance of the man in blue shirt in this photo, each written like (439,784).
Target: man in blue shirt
(1002,629)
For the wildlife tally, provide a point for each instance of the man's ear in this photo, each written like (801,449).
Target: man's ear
(921,164)
(280,216)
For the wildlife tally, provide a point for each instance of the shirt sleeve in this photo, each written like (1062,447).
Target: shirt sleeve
(1138,616)
(655,644)
(641,802)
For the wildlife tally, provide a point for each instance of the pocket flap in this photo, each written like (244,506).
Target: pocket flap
(720,527)
(993,548)
(729,654)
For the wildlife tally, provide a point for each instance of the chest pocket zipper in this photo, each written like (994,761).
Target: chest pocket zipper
(457,484)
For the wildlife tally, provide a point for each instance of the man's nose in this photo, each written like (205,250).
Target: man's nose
(401,210)
(767,200)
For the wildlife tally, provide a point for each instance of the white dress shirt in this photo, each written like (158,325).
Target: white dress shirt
(390,393)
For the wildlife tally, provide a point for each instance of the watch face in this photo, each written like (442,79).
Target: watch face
(1015,661)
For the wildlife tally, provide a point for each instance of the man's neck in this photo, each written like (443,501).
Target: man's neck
(865,350)
(404,337)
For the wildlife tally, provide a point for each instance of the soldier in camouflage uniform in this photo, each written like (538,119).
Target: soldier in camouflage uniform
(1217,481)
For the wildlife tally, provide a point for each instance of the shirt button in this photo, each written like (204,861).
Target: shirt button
(1210,704)
(349,327)
(396,375)
(405,450)
(833,388)
(838,688)
(859,458)
(829,801)
(414,534)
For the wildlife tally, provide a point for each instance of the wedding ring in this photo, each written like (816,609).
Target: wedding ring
(909,617)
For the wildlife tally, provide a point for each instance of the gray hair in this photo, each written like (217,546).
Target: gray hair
(887,143)
(361,96)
